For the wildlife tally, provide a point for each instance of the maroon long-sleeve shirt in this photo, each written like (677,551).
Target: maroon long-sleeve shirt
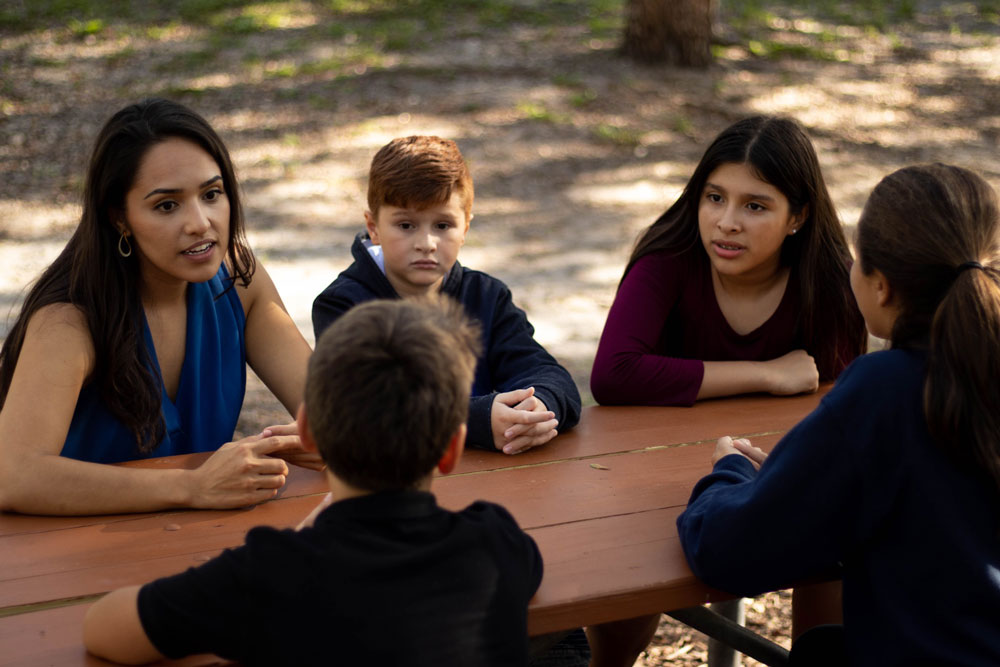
(665,323)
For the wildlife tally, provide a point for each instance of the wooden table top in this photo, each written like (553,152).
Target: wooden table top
(601,501)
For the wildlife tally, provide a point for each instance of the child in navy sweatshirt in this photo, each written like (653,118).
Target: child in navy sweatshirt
(420,196)
(893,482)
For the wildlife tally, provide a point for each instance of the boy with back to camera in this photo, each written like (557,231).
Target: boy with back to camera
(377,573)
(419,207)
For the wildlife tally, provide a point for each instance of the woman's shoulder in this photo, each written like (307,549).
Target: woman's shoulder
(60,331)
(63,319)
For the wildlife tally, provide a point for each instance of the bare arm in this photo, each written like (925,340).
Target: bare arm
(112,629)
(792,373)
(276,350)
(279,354)
(55,360)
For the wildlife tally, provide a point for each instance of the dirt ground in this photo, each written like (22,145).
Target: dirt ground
(573,149)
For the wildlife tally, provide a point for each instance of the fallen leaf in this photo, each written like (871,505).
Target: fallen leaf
(598,466)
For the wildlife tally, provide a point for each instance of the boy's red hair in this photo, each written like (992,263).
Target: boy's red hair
(418,171)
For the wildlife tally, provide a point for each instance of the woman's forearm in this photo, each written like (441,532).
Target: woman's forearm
(48,484)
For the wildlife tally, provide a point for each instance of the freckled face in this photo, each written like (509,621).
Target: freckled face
(177,213)
(743,222)
(419,245)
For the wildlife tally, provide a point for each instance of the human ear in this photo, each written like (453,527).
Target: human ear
(883,291)
(798,220)
(372,228)
(117,218)
(308,443)
(456,445)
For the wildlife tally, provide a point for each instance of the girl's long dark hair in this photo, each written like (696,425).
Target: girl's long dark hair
(91,274)
(778,151)
(934,233)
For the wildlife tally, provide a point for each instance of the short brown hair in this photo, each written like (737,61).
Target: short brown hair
(388,385)
(419,171)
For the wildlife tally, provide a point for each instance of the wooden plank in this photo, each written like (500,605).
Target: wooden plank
(602,430)
(55,637)
(97,558)
(613,568)
(301,482)
(611,429)
(589,488)
(93,559)
(640,550)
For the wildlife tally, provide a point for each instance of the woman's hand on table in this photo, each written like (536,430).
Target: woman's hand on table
(299,456)
(726,446)
(242,473)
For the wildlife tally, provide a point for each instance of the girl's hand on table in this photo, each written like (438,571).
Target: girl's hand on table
(792,373)
(726,446)
(300,456)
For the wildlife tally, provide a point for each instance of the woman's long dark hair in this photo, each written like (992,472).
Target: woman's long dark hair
(778,151)
(91,274)
(934,233)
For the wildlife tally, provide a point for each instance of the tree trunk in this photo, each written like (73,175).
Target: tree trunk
(676,32)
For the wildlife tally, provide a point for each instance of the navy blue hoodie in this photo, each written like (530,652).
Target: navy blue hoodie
(512,358)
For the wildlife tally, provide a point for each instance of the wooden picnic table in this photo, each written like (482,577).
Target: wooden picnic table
(601,501)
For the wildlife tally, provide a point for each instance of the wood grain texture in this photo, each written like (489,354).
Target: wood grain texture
(601,501)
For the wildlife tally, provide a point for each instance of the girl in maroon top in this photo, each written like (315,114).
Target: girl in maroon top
(741,286)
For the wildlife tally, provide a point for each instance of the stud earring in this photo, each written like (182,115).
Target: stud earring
(124,253)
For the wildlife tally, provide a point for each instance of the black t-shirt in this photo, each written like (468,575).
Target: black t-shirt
(384,579)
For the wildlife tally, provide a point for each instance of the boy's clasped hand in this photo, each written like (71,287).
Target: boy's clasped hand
(521,421)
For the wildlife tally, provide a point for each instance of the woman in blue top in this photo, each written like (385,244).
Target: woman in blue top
(134,341)
(894,480)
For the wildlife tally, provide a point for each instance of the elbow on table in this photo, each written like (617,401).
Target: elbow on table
(725,574)
(13,499)
(609,388)
(5,504)
(721,565)
(18,490)
(621,387)
(9,491)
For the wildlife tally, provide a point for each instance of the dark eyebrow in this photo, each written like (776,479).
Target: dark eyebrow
(171,191)
(750,196)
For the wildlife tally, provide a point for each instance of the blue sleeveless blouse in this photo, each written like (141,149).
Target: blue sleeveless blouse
(203,415)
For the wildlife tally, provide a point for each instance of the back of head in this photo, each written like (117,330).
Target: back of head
(778,151)
(934,233)
(419,171)
(388,386)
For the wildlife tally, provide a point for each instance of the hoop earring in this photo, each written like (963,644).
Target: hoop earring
(128,245)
